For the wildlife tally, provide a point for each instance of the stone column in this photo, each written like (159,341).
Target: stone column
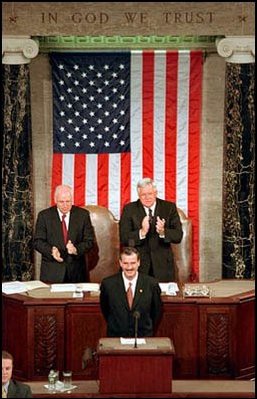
(237,49)
(17,50)
(239,157)
(17,190)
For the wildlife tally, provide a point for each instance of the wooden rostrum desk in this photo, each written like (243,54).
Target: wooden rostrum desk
(213,337)
(144,369)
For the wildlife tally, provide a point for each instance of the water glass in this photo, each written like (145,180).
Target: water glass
(67,379)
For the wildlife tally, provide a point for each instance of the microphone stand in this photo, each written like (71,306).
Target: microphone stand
(136,314)
(136,327)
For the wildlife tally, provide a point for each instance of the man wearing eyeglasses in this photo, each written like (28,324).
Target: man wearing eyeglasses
(63,234)
(151,224)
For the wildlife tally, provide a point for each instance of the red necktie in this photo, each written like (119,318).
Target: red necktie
(64,230)
(130,295)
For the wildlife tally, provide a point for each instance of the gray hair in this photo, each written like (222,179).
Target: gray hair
(146,181)
(62,188)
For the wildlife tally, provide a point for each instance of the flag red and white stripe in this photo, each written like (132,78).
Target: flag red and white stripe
(165,107)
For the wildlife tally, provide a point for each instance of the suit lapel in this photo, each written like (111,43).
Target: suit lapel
(57,227)
(121,292)
(142,213)
(11,390)
(72,223)
(140,286)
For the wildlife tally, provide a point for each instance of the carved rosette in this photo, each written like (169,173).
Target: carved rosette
(237,49)
(18,50)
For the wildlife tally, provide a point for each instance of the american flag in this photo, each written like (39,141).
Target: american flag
(121,116)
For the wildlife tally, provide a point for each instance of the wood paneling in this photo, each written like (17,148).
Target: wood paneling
(213,337)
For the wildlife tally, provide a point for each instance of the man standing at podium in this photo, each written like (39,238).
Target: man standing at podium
(130,297)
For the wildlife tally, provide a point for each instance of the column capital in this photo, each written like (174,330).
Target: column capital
(237,49)
(18,50)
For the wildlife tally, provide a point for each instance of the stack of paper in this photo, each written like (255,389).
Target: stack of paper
(131,341)
(75,287)
(16,287)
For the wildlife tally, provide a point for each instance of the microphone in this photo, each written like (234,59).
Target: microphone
(136,315)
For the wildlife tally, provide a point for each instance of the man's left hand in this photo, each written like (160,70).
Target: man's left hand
(71,249)
(160,223)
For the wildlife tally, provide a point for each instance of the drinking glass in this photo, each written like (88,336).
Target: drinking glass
(67,379)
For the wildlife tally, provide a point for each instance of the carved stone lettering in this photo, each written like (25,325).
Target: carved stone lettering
(128,19)
(90,18)
(49,18)
(188,17)
(139,17)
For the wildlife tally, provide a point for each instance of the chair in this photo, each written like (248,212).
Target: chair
(103,259)
(183,251)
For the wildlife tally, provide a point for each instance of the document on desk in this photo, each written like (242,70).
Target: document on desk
(79,287)
(63,288)
(169,288)
(17,287)
(89,287)
(131,341)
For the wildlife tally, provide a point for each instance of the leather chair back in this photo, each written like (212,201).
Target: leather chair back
(183,251)
(103,259)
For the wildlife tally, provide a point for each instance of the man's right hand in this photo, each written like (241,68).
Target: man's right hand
(56,254)
(145,226)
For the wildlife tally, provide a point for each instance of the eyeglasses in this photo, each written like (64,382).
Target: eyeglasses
(63,202)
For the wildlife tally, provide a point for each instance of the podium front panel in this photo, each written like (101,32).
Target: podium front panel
(126,369)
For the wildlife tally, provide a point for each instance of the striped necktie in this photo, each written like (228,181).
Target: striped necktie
(150,213)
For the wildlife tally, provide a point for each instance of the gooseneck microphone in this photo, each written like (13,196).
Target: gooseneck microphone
(136,315)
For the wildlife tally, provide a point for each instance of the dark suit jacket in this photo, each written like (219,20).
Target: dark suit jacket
(18,390)
(154,251)
(118,315)
(48,233)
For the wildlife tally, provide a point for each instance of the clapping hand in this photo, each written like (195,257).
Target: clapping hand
(56,254)
(71,249)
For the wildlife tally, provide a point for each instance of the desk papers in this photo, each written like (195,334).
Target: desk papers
(131,341)
(78,288)
(17,287)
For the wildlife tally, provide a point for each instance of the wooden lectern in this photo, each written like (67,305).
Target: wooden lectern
(144,369)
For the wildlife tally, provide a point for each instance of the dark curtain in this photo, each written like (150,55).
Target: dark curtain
(17,203)
(239,177)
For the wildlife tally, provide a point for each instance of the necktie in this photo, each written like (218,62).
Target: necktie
(150,215)
(4,395)
(130,295)
(64,229)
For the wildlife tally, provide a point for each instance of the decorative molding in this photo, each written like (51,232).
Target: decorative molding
(18,50)
(237,49)
(45,342)
(60,43)
(217,345)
